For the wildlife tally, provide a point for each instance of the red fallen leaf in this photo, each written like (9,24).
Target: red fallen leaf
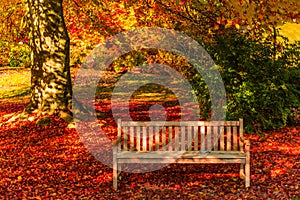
(162,187)
(147,185)
(177,186)
(294,130)
(132,185)
(155,187)
(254,137)
(140,180)
(99,179)
(277,171)
(20,178)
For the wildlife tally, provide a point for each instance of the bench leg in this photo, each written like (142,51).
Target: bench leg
(247,173)
(242,171)
(247,164)
(115,173)
(119,169)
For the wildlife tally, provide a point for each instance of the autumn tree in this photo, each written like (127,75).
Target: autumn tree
(51,89)
(89,22)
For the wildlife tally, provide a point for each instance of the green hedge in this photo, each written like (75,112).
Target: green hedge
(14,54)
(262,81)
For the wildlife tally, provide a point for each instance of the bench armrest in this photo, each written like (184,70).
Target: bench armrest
(115,145)
(242,139)
(116,142)
(247,145)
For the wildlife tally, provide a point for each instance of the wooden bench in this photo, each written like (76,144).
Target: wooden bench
(182,142)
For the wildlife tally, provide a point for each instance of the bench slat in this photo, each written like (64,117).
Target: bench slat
(228,138)
(183,160)
(176,138)
(195,138)
(151,133)
(144,138)
(215,138)
(125,130)
(181,154)
(183,123)
(241,134)
(131,129)
(222,138)
(189,132)
(138,138)
(164,138)
(202,142)
(235,140)
(208,139)
(182,135)
(119,142)
(156,138)
(170,138)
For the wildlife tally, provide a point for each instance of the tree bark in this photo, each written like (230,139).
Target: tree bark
(51,89)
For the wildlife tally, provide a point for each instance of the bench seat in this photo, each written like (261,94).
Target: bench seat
(181,142)
(180,154)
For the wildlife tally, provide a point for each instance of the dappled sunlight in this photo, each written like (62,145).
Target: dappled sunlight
(277,171)
(287,142)
(285,162)
(14,83)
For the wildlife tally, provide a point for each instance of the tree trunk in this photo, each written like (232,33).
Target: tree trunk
(51,89)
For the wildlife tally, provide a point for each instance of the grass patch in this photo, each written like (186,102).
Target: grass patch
(291,31)
(14,83)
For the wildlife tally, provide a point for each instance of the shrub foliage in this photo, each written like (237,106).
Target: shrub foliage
(261,78)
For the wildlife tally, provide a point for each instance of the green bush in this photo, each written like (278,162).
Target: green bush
(262,84)
(14,55)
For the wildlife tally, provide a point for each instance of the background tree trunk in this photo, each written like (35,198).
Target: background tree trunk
(51,89)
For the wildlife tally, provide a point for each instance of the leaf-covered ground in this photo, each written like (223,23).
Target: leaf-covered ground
(50,162)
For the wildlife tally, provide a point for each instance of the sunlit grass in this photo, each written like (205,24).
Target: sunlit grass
(155,97)
(14,83)
(291,31)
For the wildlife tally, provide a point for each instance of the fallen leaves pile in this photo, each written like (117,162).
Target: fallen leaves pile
(50,162)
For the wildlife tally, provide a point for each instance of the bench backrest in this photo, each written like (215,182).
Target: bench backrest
(180,136)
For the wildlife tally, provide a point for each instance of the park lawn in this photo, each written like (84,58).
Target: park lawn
(291,31)
(14,84)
